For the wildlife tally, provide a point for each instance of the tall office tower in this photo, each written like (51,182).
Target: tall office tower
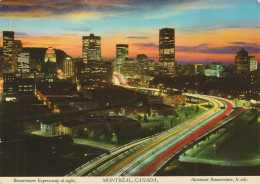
(129,69)
(8,42)
(91,49)
(121,55)
(68,67)
(50,55)
(23,66)
(17,48)
(167,61)
(242,61)
(142,61)
(253,63)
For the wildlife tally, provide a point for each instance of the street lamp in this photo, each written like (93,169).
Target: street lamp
(114,134)
(214,151)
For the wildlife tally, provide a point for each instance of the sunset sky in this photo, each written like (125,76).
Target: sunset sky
(206,30)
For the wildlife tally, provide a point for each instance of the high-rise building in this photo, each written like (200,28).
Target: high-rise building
(17,48)
(129,69)
(91,49)
(8,42)
(167,61)
(23,66)
(121,52)
(252,63)
(242,61)
(50,55)
(142,61)
(68,67)
(245,63)
(121,56)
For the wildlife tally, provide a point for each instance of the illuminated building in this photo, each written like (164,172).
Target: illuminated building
(50,55)
(121,55)
(215,70)
(50,65)
(91,49)
(146,68)
(199,69)
(93,73)
(142,61)
(208,72)
(253,63)
(167,61)
(17,47)
(242,61)
(8,42)
(68,67)
(129,69)
(10,87)
(23,63)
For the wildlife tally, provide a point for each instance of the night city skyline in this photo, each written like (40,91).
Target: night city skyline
(129,88)
(228,26)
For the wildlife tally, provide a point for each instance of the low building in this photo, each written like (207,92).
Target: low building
(199,69)
(49,128)
(155,99)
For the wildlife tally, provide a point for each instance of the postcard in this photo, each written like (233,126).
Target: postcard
(129,91)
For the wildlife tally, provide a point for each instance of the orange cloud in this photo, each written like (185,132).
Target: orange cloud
(37,13)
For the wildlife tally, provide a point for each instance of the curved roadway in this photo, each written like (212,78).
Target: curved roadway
(144,157)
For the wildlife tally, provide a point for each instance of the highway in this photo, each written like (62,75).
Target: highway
(179,134)
(146,156)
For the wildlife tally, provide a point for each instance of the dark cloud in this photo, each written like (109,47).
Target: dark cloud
(206,61)
(191,49)
(137,37)
(205,49)
(21,34)
(229,50)
(146,45)
(63,7)
(238,43)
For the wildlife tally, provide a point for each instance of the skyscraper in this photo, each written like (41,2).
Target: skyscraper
(23,61)
(253,63)
(121,55)
(8,42)
(68,67)
(17,48)
(167,61)
(242,62)
(91,49)
(142,61)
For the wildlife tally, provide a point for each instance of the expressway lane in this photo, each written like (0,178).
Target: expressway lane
(92,165)
(152,166)
(131,159)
